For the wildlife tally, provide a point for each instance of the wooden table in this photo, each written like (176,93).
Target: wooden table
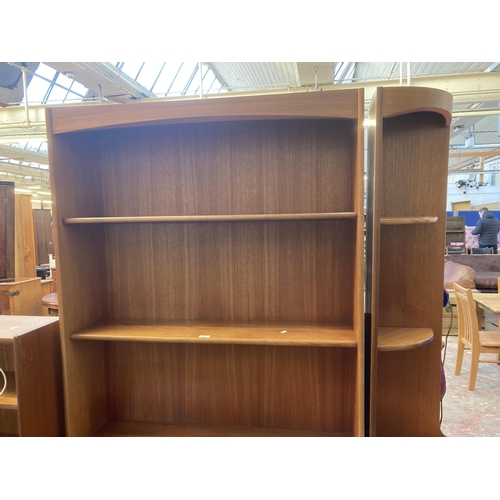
(487,302)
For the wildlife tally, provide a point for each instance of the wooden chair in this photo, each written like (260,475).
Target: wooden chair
(470,337)
(478,251)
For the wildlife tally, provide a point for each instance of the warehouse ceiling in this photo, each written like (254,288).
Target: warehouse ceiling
(27,88)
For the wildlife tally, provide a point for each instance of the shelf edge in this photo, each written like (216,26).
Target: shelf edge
(394,221)
(403,339)
(210,218)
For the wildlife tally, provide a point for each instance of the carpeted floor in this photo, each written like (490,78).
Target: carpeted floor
(470,413)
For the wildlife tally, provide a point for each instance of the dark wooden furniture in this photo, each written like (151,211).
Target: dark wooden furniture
(7,233)
(42,220)
(455,235)
(30,356)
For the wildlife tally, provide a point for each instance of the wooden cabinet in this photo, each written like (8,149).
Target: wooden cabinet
(30,357)
(25,262)
(407,175)
(7,235)
(43,236)
(455,234)
(228,298)
(22,297)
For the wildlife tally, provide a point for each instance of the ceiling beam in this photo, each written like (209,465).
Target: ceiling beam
(103,79)
(24,155)
(474,154)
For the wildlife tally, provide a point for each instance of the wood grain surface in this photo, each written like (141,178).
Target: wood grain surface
(306,388)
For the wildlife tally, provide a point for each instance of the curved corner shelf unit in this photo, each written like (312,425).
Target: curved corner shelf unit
(407,166)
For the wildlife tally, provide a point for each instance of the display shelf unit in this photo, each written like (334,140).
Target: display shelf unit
(228,293)
(406,224)
(30,356)
(225,242)
(455,235)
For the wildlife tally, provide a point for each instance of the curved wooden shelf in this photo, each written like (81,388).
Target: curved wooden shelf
(403,339)
(395,221)
(197,332)
(211,218)
(403,100)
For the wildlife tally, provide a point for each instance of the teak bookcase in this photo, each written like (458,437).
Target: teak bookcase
(211,267)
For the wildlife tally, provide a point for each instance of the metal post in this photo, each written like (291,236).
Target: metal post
(25,88)
(201,80)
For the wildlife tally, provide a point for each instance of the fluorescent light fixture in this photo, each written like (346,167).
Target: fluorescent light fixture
(22,190)
(45,193)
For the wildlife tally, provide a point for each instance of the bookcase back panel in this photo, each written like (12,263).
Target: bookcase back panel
(254,386)
(408,392)
(405,271)
(251,271)
(81,279)
(413,166)
(75,171)
(229,168)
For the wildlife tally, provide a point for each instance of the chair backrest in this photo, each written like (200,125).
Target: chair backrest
(481,250)
(468,327)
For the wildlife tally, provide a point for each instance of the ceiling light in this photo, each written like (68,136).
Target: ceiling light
(22,190)
(45,193)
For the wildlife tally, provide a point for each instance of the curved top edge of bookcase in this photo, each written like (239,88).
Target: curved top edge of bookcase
(297,105)
(404,100)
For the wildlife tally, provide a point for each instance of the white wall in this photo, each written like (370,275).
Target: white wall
(480,196)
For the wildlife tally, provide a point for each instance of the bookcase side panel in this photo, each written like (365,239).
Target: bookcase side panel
(80,257)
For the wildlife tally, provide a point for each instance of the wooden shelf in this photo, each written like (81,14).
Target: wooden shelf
(396,221)
(403,339)
(143,429)
(211,218)
(8,400)
(303,334)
